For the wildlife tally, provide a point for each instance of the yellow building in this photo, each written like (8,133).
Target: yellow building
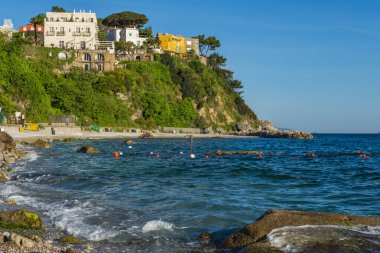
(173,44)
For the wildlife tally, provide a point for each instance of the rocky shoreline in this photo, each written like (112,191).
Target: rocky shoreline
(22,230)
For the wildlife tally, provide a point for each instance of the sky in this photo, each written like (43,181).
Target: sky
(305,65)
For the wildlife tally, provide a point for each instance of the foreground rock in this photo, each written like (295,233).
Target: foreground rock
(252,237)
(88,150)
(8,151)
(20,219)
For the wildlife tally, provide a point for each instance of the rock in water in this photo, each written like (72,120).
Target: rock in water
(146,135)
(23,219)
(4,176)
(88,150)
(70,239)
(129,142)
(258,230)
(42,144)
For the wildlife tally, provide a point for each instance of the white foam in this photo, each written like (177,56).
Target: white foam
(32,156)
(155,225)
(68,215)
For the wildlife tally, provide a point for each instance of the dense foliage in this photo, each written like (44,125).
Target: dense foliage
(125,19)
(167,92)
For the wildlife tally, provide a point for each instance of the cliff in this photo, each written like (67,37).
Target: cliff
(165,92)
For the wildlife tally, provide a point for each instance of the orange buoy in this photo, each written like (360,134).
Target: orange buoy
(206,156)
(312,155)
(363,155)
(116,154)
(260,157)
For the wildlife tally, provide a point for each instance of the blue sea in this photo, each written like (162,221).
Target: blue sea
(154,198)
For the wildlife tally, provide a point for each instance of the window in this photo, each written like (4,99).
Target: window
(86,57)
(61,29)
(100,68)
(87,29)
(86,67)
(100,57)
(83,44)
(51,29)
(92,20)
(77,30)
(61,44)
(130,34)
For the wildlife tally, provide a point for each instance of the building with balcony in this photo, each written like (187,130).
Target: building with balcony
(30,28)
(131,34)
(76,30)
(192,44)
(172,44)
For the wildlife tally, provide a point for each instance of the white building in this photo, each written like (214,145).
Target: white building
(77,30)
(126,34)
(7,28)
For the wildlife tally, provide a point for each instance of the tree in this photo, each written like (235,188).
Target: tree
(207,44)
(57,9)
(37,20)
(125,19)
(216,61)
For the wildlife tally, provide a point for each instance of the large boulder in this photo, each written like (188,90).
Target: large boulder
(70,239)
(42,144)
(258,230)
(88,150)
(20,219)
(6,138)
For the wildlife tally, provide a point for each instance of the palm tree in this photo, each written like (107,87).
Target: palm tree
(37,20)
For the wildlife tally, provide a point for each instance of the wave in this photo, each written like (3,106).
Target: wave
(326,238)
(68,215)
(155,225)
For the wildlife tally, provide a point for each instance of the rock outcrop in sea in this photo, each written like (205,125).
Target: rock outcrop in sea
(267,130)
(88,150)
(8,154)
(254,237)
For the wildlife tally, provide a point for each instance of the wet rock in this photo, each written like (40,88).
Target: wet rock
(70,239)
(205,238)
(71,250)
(146,135)
(23,219)
(42,144)
(129,142)
(270,220)
(3,238)
(6,138)
(4,176)
(88,150)
(67,140)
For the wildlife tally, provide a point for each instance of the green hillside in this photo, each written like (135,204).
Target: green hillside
(166,92)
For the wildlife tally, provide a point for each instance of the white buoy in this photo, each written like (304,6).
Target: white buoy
(192,156)
(151,153)
(181,153)
(130,147)
(120,153)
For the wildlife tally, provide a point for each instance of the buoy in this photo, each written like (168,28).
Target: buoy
(260,157)
(130,147)
(181,153)
(151,153)
(192,156)
(120,153)
(157,156)
(310,155)
(116,154)
(206,156)
(363,155)
(358,152)
(219,152)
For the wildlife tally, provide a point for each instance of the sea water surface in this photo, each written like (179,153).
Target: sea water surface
(145,203)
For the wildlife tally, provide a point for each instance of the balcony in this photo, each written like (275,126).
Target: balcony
(77,33)
(61,33)
(87,34)
(50,33)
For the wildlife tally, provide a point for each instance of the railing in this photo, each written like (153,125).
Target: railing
(105,45)
(87,34)
(77,33)
(60,33)
(49,33)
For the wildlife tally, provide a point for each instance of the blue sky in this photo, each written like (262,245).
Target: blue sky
(306,65)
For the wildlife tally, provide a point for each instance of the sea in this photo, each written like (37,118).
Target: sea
(155,198)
